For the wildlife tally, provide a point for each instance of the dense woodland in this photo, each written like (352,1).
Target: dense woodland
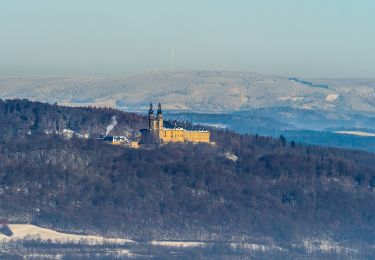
(20,117)
(276,189)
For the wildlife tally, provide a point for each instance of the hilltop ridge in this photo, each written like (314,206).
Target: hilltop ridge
(211,91)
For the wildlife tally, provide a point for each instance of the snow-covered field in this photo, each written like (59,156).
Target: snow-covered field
(358,133)
(126,248)
(31,232)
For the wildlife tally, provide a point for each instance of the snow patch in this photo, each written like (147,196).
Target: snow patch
(256,247)
(231,156)
(220,126)
(331,97)
(178,243)
(121,253)
(291,98)
(317,245)
(43,256)
(68,133)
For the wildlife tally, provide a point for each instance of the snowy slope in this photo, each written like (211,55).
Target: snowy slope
(28,231)
(198,90)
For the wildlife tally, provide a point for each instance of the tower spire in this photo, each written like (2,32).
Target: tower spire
(151,118)
(159,121)
(159,109)
(150,111)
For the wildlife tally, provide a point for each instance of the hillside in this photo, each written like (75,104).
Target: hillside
(276,191)
(22,117)
(211,91)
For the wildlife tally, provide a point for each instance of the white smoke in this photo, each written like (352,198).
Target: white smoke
(112,125)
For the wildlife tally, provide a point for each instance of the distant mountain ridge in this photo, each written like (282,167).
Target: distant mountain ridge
(208,91)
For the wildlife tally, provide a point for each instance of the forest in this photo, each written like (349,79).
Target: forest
(276,189)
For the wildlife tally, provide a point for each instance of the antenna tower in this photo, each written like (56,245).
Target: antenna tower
(172,58)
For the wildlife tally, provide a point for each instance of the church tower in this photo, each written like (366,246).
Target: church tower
(159,121)
(159,118)
(151,119)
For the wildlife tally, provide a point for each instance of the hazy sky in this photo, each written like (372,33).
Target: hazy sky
(330,38)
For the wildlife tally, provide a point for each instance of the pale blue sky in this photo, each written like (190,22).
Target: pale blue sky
(329,38)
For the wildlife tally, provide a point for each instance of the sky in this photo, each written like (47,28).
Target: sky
(307,38)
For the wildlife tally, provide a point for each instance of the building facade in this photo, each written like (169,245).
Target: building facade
(174,134)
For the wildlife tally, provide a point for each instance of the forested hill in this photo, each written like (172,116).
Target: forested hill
(19,117)
(244,189)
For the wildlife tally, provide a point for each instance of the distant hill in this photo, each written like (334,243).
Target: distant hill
(209,91)
(274,192)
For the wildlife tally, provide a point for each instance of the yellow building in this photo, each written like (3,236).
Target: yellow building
(174,134)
